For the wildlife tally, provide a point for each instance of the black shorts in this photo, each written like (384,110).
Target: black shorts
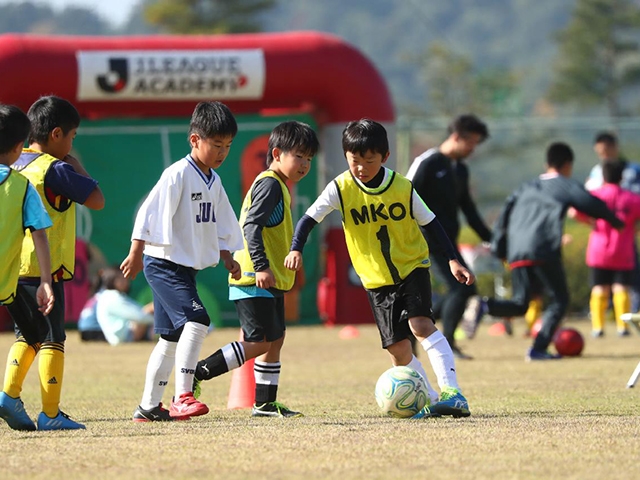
(393,305)
(261,318)
(30,323)
(602,276)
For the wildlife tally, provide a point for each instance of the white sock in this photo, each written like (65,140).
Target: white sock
(187,355)
(267,373)
(233,355)
(441,358)
(417,366)
(159,369)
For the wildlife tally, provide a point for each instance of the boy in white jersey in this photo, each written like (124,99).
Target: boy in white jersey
(381,215)
(185,225)
(259,292)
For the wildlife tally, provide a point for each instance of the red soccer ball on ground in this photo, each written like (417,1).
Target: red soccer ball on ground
(568,342)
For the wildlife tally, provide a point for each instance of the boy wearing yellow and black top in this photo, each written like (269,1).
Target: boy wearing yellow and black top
(381,215)
(259,293)
(61,182)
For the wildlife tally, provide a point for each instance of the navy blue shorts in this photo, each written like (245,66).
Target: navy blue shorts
(175,297)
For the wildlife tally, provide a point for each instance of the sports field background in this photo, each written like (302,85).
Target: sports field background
(567,419)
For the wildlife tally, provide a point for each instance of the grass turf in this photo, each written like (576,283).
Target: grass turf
(569,419)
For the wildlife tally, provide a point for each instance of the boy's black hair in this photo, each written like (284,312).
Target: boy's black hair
(293,136)
(606,137)
(558,155)
(14,127)
(210,119)
(365,135)
(48,113)
(612,171)
(468,123)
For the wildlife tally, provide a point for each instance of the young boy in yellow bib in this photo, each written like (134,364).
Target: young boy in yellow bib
(258,294)
(61,181)
(381,215)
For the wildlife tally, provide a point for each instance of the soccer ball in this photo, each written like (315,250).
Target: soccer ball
(401,392)
(568,342)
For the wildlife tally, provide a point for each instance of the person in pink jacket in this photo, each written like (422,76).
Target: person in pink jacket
(610,252)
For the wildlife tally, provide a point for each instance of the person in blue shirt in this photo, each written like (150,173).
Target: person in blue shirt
(62,182)
(21,209)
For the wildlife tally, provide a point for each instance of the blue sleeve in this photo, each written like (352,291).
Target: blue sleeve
(303,229)
(33,211)
(65,181)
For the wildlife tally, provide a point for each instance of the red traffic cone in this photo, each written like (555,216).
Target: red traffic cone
(242,393)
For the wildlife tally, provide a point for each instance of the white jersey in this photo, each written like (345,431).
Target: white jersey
(329,200)
(187,218)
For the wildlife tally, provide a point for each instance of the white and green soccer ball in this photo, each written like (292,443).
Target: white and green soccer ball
(401,392)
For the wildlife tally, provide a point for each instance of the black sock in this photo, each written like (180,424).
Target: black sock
(212,366)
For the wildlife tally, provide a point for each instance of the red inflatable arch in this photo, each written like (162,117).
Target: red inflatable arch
(302,71)
(164,76)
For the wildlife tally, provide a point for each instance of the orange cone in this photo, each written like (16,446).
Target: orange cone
(242,393)
(349,332)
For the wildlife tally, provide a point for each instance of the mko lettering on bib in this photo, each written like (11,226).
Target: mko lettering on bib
(371,213)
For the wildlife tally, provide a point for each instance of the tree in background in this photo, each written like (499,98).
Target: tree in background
(30,17)
(207,16)
(599,58)
(455,85)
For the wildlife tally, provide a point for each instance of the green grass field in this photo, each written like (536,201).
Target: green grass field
(567,419)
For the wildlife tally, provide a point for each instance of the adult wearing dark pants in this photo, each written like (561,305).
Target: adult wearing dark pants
(528,234)
(441,178)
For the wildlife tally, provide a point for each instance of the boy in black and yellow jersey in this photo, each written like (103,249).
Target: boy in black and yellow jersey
(259,293)
(381,215)
(61,182)
(21,209)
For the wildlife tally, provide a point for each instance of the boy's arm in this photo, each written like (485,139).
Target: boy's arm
(230,264)
(501,227)
(132,265)
(469,209)
(44,294)
(586,203)
(95,200)
(293,260)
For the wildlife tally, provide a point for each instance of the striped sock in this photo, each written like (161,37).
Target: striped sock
(267,376)
(51,367)
(221,361)
(19,361)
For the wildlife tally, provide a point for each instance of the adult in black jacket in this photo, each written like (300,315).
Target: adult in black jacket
(441,178)
(528,235)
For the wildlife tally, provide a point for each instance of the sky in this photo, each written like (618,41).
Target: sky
(114,11)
